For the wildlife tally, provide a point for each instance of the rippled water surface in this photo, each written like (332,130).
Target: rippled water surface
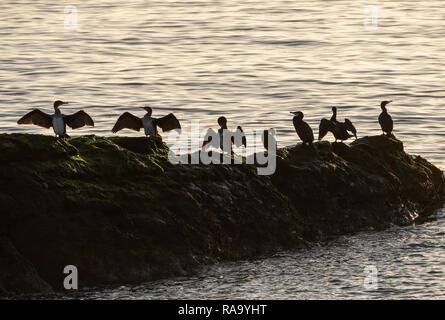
(252,61)
(409,263)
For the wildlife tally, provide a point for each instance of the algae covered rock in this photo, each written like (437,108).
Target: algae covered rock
(369,184)
(119,211)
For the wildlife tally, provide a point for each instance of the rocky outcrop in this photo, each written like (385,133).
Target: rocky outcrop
(121,213)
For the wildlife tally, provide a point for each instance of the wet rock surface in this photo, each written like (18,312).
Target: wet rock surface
(121,213)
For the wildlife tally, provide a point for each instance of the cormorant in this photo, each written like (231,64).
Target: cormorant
(240,131)
(334,114)
(385,119)
(222,122)
(325,127)
(303,130)
(57,120)
(269,135)
(350,127)
(346,125)
(129,121)
(338,129)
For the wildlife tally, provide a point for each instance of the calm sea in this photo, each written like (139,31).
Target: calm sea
(253,62)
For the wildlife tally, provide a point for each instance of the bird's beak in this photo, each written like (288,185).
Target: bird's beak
(65,103)
(294,112)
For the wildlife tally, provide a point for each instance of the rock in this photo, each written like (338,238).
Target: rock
(18,275)
(121,213)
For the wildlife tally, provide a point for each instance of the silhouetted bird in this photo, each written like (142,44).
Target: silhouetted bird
(347,125)
(303,130)
(337,128)
(325,127)
(129,121)
(350,127)
(240,131)
(57,120)
(334,114)
(222,122)
(385,119)
(269,136)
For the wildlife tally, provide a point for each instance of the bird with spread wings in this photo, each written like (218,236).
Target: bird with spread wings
(57,121)
(132,122)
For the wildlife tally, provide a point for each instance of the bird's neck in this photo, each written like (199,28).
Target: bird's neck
(57,112)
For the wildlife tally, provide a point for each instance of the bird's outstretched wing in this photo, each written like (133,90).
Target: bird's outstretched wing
(208,138)
(167,123)
(350,127)
(78,120)
(326,126)
(239,132)
(38,118)
(127,121)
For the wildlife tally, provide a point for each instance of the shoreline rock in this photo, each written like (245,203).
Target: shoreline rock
(121,213)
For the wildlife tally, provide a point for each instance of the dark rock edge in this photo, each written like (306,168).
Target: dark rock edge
(121,213)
